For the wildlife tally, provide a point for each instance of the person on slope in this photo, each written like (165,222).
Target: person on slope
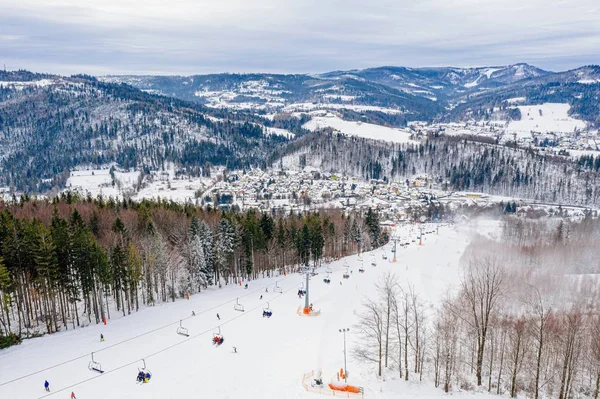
(218,317)
(260,298)
(101,338)
(267,289)
(47,385)
(73,395)
(246,286)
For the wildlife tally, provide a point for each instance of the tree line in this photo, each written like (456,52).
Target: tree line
(74,261)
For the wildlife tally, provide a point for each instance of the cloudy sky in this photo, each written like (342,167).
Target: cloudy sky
(201,36)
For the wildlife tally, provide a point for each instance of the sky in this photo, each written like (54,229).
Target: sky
(187,37)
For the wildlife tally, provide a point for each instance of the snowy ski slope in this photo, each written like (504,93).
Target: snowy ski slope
(273,354)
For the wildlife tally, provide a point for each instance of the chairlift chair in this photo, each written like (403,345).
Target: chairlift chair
(277,288)
(181,330)
(217,337)
(95,366)
(346,274)
(328,269)
(326,279)
(267,312)
(147,374)
(238,306)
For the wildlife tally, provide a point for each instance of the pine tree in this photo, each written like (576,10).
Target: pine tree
(224,247)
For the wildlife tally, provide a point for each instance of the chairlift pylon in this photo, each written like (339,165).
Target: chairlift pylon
(95,366)
(238,306)
(181,330)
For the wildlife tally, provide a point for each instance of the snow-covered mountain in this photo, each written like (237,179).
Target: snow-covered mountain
(50,125)
(416,93)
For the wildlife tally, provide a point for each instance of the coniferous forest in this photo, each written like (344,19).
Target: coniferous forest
(74,261)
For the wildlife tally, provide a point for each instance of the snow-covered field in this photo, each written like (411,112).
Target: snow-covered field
(99,182)
(273,353)
(164,185)
(360,129)
(545,118)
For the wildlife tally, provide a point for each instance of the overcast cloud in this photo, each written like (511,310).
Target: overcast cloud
(293,36)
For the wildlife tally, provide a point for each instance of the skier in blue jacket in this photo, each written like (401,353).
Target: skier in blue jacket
(47,385)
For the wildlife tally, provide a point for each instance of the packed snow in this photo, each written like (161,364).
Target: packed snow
(360,129)
(273,354)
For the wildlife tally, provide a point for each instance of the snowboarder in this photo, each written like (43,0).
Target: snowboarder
(73,395)
(193,313)
(234,349)
(47,385)
(218,317)
(101,338)
(260,298)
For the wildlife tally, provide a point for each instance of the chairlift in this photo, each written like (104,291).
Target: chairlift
(361,269)
(326,279)
(217,337)
(346,274)
(277,288)
(238,306)
(95,366)
(144,375)
(181,330)
(267,312)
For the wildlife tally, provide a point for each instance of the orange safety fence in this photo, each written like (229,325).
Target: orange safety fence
(342,390)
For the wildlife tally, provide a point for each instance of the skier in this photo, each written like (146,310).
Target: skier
(260,298)
(340,283)
(234,349)
(193,313)
(73,395)
(246,286)
(101,338)
(47,385)
(267,289)
(218,317)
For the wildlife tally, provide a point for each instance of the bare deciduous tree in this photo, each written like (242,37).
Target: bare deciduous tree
(371,332)
(482,285)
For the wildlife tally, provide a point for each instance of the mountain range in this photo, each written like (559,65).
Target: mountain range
(418,93)
(51,125)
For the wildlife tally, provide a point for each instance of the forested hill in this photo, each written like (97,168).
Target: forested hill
(74,261)
(51,124)
(457,162)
